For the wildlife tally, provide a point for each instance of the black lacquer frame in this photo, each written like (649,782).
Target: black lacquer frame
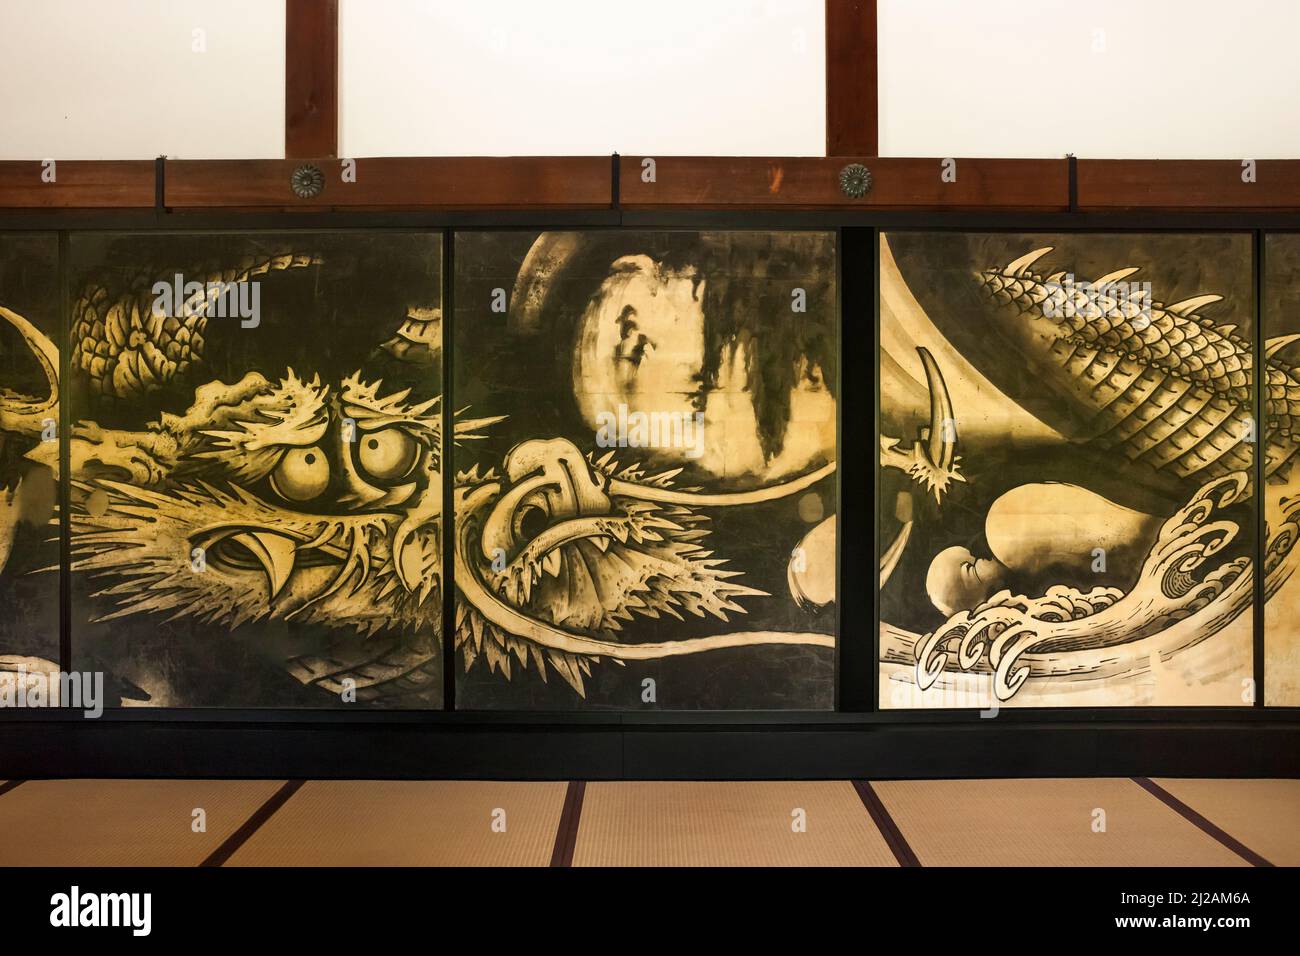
(855,740)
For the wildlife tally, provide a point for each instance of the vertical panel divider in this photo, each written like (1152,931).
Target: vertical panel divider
(1258,461)
(448,466)
(856,655)
(875,466)
(63,329)
(838,697)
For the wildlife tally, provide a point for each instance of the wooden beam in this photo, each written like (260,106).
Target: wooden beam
(852,109)
(77,184)
(1191,184)
(442,182)
(726,182)
(311,78)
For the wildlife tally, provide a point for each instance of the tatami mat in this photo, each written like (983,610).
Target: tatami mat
(1262,814)
(409,823)
(123,822)
(1075,822)
(727,824)
(1045,823)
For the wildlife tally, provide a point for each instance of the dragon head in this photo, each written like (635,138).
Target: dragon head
(283,499)
(286,500)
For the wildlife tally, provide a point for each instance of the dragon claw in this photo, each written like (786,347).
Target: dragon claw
(931,461)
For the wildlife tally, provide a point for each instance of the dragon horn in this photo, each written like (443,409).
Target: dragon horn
(19,413)
(941,448)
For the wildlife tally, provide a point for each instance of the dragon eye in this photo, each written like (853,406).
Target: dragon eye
(388,454)
(303,473)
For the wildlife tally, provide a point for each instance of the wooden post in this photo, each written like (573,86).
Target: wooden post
(311,79)
(851,84)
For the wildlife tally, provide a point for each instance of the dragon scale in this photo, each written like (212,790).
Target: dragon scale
(1157,382)
(126,347)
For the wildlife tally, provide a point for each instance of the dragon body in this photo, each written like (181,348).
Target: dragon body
(1159,383)
(1152,384)
(126,345)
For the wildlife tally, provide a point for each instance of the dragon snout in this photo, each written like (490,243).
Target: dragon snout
(549,480)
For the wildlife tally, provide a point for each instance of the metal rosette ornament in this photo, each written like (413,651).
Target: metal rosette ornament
(307,181)
(855,180)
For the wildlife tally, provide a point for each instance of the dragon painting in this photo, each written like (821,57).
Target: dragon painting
(1070,471)
(310,511)
(1153,401)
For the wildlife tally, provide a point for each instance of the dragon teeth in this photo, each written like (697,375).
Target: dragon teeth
(551,563)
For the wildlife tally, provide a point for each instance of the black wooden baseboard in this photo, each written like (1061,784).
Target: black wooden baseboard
(613,748)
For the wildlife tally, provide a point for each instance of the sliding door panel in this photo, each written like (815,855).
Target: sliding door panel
(1066,480)
(645,455)
(256,489)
